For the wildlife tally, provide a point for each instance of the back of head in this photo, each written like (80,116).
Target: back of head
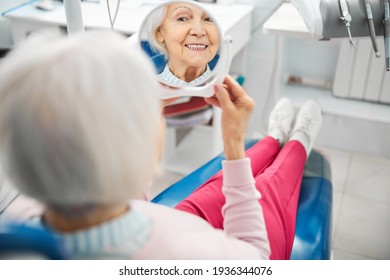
(79,119)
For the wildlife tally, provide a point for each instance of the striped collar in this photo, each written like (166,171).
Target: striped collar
(167,76)
(119,238)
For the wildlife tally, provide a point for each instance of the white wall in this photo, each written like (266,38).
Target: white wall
(260,62)
(263,9)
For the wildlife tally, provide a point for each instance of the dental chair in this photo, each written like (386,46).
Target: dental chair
(20,242)
(313,233)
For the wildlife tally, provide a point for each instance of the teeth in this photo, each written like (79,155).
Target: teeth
(196,47)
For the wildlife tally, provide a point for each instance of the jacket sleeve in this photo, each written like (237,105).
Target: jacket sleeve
(243,214)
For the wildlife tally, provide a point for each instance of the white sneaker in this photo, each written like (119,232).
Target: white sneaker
(280,120)
(307,124)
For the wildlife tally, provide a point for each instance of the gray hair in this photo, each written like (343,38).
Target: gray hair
(79,120)
(152,23)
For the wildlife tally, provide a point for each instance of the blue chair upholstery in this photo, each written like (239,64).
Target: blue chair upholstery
(20,241)
(314,217)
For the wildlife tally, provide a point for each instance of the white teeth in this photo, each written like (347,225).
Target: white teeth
(196,47)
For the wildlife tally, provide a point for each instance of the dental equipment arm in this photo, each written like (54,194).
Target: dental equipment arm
(74,17)
(371,27)
(322,17)
(346,18)
(386,31)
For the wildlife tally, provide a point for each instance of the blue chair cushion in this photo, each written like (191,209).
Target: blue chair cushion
(314,216)
(21,239)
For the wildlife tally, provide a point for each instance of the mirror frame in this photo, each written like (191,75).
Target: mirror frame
(219,72)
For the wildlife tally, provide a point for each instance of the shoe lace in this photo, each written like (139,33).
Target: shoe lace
(278,120)
(306,125)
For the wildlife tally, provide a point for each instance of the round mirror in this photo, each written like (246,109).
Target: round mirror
(187,48)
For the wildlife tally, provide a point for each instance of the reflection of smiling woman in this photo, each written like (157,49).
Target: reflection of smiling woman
(190,39)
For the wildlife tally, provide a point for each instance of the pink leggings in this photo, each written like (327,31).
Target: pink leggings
(278,175)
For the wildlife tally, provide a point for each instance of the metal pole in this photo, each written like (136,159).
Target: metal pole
(74,17)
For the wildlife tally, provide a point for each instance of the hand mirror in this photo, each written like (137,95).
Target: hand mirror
(187,48)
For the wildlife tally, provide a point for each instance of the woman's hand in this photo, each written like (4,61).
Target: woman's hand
(237,108)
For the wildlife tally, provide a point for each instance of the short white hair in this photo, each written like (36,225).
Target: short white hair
(79,119)
(153,22)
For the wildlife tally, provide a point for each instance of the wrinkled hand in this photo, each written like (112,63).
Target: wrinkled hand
(237,108)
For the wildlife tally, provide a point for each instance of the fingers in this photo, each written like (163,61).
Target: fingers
(235,89)
(226,94)
(223,96)
(212,101)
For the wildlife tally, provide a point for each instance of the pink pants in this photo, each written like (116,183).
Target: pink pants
(278,175)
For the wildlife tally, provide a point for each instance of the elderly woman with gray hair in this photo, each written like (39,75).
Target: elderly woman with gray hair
(81,132)
(189,39)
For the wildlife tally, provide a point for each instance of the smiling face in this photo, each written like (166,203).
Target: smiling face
(191,39)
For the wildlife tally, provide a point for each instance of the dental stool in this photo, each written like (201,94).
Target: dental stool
(313,232)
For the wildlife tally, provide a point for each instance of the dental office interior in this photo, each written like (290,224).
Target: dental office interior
(296,49)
